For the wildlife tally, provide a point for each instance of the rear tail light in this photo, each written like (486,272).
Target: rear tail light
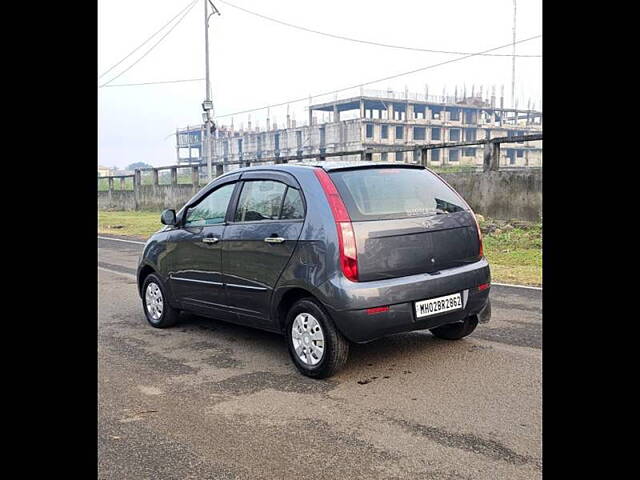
(346,237)
(483,286)
(481,254)
(373,311)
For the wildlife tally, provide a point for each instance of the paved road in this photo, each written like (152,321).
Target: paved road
(207,399)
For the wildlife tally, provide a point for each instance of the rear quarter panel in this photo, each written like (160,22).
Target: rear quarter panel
(316,256)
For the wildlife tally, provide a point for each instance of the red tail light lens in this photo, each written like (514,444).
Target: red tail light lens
(346,237)
(373,311)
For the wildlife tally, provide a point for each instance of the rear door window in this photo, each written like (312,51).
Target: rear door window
(268,200)
(260,200)
(389,193)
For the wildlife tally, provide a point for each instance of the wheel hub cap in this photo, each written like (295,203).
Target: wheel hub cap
(154,301)
(307,338)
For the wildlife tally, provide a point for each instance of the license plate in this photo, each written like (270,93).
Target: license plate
(433,306)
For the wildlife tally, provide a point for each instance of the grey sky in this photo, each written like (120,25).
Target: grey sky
(255,62)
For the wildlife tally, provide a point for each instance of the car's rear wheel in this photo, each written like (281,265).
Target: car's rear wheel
(457,330)
(156,307)
(317,348)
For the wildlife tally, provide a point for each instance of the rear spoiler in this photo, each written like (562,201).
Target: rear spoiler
(364,165)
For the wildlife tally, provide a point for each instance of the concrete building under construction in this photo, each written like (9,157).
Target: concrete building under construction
(378,122)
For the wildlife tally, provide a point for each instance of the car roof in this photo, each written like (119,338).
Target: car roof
(327,166)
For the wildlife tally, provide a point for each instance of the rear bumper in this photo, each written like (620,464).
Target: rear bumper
(352,299)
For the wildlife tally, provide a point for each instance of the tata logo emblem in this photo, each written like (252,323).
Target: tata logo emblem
(433,260)
(426,224)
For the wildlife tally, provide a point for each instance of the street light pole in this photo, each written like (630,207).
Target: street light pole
(207,105)
(513,59)
(207,146)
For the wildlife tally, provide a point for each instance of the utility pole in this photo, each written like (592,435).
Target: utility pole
(207,105)
(513,58)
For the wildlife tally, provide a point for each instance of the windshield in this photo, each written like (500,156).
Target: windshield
(387,193)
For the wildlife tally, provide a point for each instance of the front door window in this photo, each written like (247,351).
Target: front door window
(211,210)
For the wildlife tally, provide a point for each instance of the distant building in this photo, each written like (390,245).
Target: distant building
(104,171)
(381,121)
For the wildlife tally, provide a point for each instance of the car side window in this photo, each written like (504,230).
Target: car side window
(260,200)
(212,209)
(292,208)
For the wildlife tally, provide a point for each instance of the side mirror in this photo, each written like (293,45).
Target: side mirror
(168,217)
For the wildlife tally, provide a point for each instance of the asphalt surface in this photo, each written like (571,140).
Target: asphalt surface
(208,399)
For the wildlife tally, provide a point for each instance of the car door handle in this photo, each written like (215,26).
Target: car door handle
(210,239)
(274,239)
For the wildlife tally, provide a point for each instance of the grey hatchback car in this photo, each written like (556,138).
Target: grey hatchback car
(325,254)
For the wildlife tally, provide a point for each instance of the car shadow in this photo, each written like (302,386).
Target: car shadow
(395,349)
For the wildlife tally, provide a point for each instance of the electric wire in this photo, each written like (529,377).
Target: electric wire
(152,47)
(367,42)
(145,42)
(156,83)
(390,77)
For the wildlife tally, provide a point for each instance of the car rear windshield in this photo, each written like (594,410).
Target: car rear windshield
(388,193)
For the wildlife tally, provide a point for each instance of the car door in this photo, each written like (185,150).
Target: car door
(259,240)
(196,276)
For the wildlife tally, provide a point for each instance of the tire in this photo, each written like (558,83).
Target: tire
(154,302)
(456,330)
(315,362)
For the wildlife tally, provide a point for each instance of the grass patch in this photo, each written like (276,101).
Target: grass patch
(454,168)
(515,255)
(136,224)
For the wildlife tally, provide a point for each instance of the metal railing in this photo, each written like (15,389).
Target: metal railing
(197,174)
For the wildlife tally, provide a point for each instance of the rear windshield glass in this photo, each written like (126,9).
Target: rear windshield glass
(386,193)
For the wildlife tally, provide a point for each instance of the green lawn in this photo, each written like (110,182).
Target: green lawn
(515,255)
(135,224)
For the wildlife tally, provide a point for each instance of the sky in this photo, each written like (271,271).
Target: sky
(255,62)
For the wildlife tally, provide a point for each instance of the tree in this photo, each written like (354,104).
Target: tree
(135,165)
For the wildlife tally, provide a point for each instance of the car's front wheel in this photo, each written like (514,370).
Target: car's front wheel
(457,330)
(317,348)
(156,308)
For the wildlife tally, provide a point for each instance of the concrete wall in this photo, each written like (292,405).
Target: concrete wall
(147,197)
(501,195)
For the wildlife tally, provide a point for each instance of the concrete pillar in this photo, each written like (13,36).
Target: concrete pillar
(174,176)
(336,114)
(425,157)
(390,111)
(122,183)
(310,118)
(427,113)
(409,112)
(361,108)
(495,157)
(137,180)
(154,177)
(195,176)
(110,184)
(486,158)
